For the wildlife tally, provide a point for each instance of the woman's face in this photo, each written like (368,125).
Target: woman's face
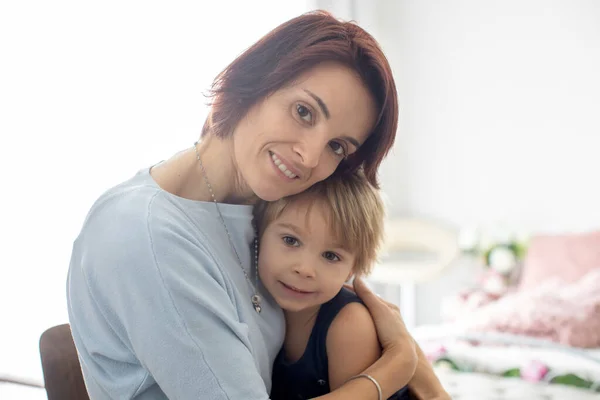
(298,135)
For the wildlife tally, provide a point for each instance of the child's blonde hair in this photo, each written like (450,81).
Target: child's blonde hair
(356,214)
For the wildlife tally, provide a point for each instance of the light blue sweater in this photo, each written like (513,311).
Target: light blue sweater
(158,304)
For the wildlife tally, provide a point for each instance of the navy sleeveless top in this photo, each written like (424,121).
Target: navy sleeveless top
(309,376)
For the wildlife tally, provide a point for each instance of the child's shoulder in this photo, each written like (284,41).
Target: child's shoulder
(349,309)
(346,296)
(347,313)
(343,300)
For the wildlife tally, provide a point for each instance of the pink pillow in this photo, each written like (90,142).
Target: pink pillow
(563,257)
(564,313)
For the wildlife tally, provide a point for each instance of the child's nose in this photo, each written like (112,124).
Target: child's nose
(305,270)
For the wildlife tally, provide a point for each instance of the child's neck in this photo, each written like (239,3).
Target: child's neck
(298,327)
(302,317)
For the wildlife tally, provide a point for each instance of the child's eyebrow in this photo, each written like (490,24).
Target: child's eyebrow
(341,246)
(289,226)
(334,243)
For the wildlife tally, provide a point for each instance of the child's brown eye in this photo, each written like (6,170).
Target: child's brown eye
(304,113)
(290,241)
(330,256)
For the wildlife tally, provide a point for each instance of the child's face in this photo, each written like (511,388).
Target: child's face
(300,262)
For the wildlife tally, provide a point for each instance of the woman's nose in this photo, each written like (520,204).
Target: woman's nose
(310,150)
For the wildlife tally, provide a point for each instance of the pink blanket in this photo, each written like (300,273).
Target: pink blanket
(565,313)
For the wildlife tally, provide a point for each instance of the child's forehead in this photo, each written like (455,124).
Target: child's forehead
(314,215)
(307,211)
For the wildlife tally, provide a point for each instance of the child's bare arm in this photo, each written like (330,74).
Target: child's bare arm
(352,344)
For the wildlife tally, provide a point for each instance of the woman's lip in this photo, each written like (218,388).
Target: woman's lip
(288,164)
(280,172)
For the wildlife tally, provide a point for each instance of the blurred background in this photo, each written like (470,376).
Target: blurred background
(498,141)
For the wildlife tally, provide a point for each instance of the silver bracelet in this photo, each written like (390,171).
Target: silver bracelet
(369,377)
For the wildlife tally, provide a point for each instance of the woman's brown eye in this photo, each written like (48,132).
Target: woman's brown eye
(338,149)
(304,113)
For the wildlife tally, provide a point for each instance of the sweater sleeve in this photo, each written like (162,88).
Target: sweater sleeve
(165,299)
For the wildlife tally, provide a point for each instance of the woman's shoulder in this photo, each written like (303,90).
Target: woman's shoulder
(137,208)
(130,221)
(137,230)
(124,202)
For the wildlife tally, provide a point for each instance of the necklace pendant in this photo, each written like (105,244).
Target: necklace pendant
(256,303)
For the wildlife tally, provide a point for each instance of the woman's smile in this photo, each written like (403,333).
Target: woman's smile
(284,167)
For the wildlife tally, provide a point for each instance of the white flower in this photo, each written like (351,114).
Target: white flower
(502,259)
(444,365)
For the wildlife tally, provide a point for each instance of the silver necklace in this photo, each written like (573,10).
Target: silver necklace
(255,299)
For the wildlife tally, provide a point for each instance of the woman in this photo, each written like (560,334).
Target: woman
(164,300)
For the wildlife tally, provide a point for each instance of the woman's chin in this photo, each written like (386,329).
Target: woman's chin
(271,186)
(270,193)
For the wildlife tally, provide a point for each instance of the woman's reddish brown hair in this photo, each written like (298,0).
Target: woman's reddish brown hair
(292,49)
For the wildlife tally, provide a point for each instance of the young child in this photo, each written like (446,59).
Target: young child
(310,245)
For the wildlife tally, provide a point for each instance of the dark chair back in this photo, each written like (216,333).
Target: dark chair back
(62,372)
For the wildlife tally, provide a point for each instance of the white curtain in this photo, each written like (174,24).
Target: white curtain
(90,92)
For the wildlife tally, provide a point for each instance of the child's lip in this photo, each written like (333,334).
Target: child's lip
(296,289)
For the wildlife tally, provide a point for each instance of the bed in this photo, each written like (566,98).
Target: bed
(499,366)
(539,340)
(474,386)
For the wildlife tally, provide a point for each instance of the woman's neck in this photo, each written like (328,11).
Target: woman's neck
(183,176)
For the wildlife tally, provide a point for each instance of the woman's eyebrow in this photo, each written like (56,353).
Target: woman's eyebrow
(320,102)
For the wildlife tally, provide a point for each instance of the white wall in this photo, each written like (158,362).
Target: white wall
(500,106)
(499,120)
